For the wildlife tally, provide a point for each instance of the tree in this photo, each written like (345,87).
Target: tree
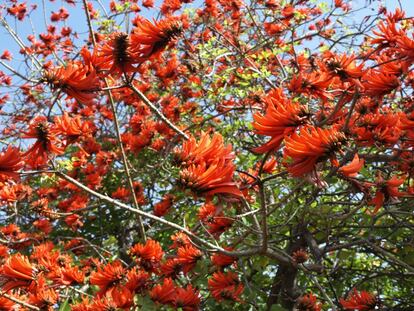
(225,155)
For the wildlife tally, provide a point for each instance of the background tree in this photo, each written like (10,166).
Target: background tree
(225,155)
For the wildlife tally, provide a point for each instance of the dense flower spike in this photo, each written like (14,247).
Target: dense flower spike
(108,276)
(187,299)
(153,38)
(308,302)
(379,83)
(148,256)
(311,146)
(117,55)
(363,301)
(46,142)
(77,80)
(386,191)
(225,286)
(10,162)
(281,119)
(352,169)
(17,271)
(208,167)
(164,293)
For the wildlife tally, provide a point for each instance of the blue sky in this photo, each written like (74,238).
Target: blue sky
(37,23)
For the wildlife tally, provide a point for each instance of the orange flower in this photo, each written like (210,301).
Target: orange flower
(308,302)
(71,128)
(405,47)
(387,34)
(117,55)
(208,166)
(108,276)
(180,239)
(10,163)
(222,260)
(363,301)
(314,85)
(344,67)
(121,296)
(136,280)
(281,119)
(311,146)
(208,180)
(18,271)
(71,276)
(187,299)
(76,80)
(188,257)
(171,268)
(148,255)
(206,149)
(45,144)
(372,128)
(153,38)
(386,191)
(214,218)
(42,296)
(162,207)
(225,286)
(352,169)
(378,83)
(164,293)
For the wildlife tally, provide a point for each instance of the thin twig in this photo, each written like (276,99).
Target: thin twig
(118,134)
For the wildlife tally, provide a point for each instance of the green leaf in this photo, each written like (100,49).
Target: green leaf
(65,306)
(277,308)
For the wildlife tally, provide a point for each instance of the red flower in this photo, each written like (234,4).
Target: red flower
(137,281)
(117,55)
(10,163)
(205,150)
(378,83)
(352,169)
(386,191)
(8,305)
(308,302)
(171,268)
(344,67)
(76,80)
(180,239)
(363,301)
(164,293)
(188,257)
(162,207)
(225,286)
(148,255)
(108,276)
(18,271)
(187,299)
(311,146)
(222,260)
(153,38)
(71,128)
(208,180)
(45,144)
(281,119)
